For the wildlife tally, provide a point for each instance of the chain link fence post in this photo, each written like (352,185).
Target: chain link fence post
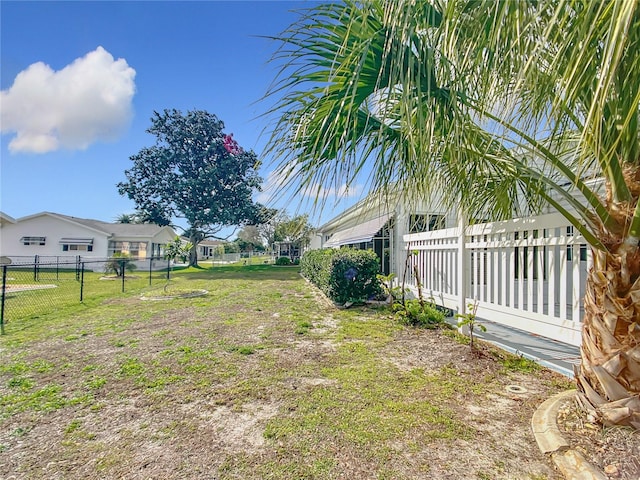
(4,292)
(81,281)
(122,269)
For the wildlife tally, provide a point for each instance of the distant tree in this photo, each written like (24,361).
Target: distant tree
(249,239)
(296,230)
(141,217)
(127,218)
(195,172)
(269,219)
(231,247)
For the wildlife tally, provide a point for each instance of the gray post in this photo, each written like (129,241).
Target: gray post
(81,281)
(35,268)
(150,267)
(122,263)
(4,292)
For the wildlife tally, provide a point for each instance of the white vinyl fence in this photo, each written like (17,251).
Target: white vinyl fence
(527,273)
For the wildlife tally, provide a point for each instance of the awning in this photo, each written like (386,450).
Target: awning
(360,233)
(76,241)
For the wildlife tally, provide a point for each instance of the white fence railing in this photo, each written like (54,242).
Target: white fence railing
(526,273)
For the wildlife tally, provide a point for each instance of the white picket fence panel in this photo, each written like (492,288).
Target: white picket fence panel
(527,273)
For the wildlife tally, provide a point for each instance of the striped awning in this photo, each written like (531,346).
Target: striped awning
(365,232)
(76,241)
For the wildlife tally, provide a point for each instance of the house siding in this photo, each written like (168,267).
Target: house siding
(53,229)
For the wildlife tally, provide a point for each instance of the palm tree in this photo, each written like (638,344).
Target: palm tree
(494,105)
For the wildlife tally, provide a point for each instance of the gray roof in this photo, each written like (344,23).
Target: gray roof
(115,229)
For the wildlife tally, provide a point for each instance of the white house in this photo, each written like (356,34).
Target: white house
(48,234)
(527,273)
(379,224)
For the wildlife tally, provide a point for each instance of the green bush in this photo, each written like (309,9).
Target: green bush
(345,275)
(119,263)
(315,266)
(419,314)
(283,261)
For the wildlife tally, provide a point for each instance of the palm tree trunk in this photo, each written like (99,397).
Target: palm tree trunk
(609,375)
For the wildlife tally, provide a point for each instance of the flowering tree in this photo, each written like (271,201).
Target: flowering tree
(194,172)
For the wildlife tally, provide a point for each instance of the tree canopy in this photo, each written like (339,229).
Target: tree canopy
(194,172)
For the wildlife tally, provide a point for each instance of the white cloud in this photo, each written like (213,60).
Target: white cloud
(87,101)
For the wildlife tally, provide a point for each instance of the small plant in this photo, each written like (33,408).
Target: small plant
(393,293)
(469,319)
(119,263)
(283,261)
(419,314)
(177,249)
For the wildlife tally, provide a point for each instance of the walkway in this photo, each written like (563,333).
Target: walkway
(557,356)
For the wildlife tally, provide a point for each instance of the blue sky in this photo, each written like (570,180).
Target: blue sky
(71,122)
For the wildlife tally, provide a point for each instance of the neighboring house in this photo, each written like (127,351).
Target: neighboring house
(207,249)
(379,225)
(293,250)
(54,234)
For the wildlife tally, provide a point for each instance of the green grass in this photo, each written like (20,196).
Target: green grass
(154,374)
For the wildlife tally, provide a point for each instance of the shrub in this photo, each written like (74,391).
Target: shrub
(283,261)
(419,314)
(345,275)
(315,266)
(119,263)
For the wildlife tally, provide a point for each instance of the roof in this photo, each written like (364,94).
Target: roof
(205,242)
(111,229)
(372,205)
(4,218)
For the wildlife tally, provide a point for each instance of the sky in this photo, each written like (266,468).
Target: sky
(81,80)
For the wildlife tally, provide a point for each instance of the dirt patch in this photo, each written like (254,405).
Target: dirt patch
(26,287)
(615,451)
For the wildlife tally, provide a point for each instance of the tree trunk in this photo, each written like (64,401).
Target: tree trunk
(609,375)
(193,254)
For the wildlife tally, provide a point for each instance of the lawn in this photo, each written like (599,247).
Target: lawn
(261,378)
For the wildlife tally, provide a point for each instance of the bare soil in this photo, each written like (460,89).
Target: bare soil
(614,451)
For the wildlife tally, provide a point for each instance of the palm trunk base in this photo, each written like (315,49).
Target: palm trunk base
(608,379)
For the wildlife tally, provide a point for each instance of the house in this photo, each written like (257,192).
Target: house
(293,250)
(528,273)
(379,224)
(48,234)
(207,249)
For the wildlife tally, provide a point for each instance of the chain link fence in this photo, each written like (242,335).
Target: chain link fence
(34,286)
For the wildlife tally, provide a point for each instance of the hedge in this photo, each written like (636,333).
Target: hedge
(344,275)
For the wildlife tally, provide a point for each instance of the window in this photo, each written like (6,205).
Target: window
(33,240)
(424,223)
(77,244)
(133,249)
(77,248)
